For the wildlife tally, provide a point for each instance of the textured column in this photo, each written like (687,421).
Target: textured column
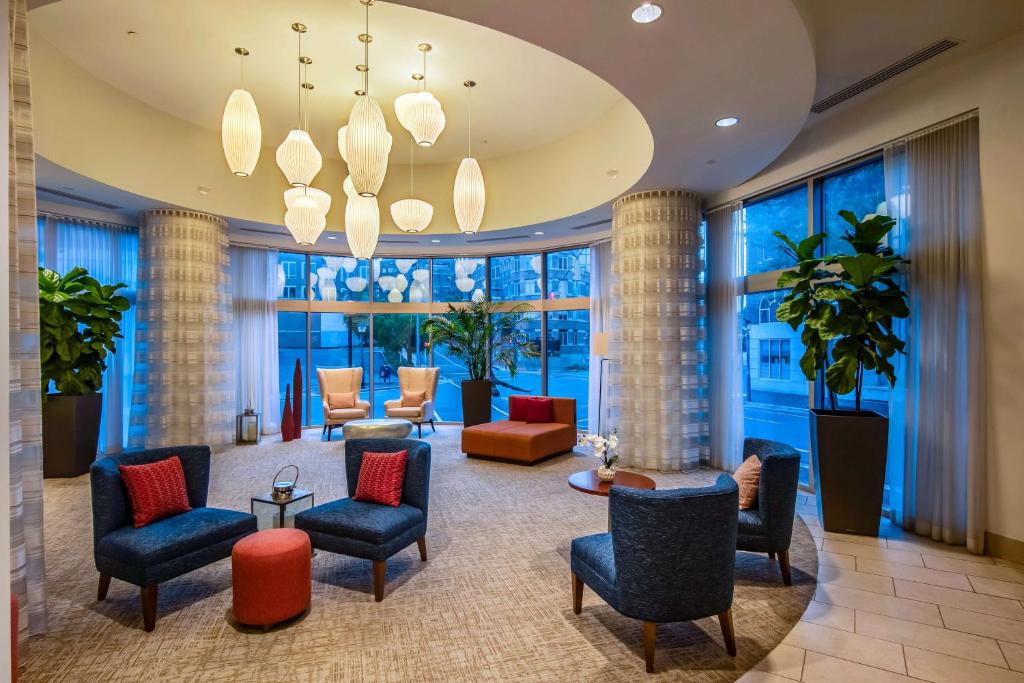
(658,382)
(183,389)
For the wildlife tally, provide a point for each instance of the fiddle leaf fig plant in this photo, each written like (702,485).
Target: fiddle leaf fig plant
(79,321)
(846,304)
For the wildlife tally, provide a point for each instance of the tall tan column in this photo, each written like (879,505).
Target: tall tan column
(658,383)
(184,381)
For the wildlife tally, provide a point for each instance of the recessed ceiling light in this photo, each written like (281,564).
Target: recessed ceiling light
(646,13)
(332,237)
(727,121)
(538,232)
(133,33)
(436,241)
(203,190)
(612,173)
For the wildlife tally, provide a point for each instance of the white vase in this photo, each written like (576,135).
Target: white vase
(606,473)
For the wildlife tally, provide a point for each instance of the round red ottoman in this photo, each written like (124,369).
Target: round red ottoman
(270,576)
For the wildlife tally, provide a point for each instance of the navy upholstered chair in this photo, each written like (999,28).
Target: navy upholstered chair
(368,530)
(670,556)
(768,526)
(168,547)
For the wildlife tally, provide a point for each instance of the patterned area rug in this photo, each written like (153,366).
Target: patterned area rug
(493,603)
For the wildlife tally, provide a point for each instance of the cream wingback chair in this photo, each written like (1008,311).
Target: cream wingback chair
(339,393)
(418,386)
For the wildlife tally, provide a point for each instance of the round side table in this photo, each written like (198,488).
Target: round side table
(588,482)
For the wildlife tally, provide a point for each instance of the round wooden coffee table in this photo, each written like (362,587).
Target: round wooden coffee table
(588,482)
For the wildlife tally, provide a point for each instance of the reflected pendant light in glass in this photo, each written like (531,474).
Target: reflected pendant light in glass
(420,112)
(367,141)
(297,157)
(362,225)
(412,215)
(469,193)
(304,220)
(240,131)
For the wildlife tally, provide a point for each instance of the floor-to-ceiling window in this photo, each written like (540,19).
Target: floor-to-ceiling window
(776,395)
(338,311)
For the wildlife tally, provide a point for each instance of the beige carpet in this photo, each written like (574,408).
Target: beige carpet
(492,603)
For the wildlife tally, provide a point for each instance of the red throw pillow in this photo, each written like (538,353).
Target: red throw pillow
(540,409)
(380,478)
(517,407)
(156,490)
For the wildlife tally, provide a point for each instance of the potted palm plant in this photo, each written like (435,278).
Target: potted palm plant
(79,323)
(846,304)
(483,337)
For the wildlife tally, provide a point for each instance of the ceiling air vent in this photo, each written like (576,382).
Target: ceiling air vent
(496,239)
(591,224)
(77,198)
(885,74)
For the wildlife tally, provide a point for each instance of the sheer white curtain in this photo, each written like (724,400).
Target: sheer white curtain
(934,188)
(254,289)
(725,408)
(110,253)
(600,311)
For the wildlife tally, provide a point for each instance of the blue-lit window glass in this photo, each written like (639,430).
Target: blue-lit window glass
(528,377)
(401,280)
(339,278)
(568,358)
(291,346)
(292,278)
(568,273)
(786,213)
(459,279)
(860,189)
(515,278)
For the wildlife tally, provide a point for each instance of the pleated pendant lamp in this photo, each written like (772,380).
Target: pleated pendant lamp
(420,112)
(297,157)
(367,141)
(469,194)
(240,131)
(412,215)
(362,225)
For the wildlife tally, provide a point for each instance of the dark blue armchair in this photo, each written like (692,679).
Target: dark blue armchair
(368,530)
(169,547)
(670,556)
(768,526)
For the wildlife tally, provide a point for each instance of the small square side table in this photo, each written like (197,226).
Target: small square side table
(278,514)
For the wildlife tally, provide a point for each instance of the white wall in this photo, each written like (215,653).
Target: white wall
(992,81)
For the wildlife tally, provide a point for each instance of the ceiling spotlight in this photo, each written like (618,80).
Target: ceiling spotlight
(727,121)
(203,190)
(332,237)
(646,13)
(436,241)
(538,232)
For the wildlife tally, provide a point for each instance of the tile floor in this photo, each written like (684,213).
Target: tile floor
(902,608)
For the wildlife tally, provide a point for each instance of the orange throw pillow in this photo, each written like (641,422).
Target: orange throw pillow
(342,400)
(747,477)
(413,399)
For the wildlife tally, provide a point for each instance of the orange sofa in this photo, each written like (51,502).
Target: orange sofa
(524,442)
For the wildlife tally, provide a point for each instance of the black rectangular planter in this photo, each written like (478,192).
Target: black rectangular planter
(848,453)
(476,401)
(71,429)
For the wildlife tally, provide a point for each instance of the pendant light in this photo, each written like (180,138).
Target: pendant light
(297,157)
(304,220)
(319,197)
(367,141)
(420,112)
(469,194)
(412,215)
(362,225)
(240,132)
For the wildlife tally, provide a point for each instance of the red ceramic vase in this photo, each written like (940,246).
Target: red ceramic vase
(297,401)
(287,421)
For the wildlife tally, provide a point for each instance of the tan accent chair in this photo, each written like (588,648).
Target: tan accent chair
(341,381)
(415,379)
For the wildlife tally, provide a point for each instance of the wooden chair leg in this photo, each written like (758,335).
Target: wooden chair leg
(771,556)
(323,431)
(784,566)
(101,592)
(577,594)
(419,430)
(432,428)
(650,635)
(149,607)
(728,635)
(421,542)
(379,569)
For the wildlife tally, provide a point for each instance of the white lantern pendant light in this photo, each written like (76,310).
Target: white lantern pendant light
(362,225)
(304,220)
(319,197)
(412,215)
(420,112)
(297,157)
(469,194)
(367,141)
(240,131)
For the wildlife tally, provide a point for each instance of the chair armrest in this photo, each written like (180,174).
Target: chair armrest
(427,411)
(363,405)
(393,403)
